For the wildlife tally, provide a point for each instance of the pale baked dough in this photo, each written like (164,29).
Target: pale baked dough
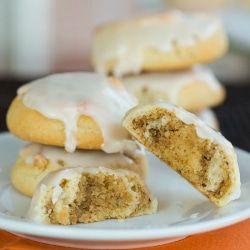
(170,41)
(194,150)
(35,161)
(192,89)
(32,126)
(84,195)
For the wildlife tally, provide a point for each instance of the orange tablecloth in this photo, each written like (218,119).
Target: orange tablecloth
(230,238)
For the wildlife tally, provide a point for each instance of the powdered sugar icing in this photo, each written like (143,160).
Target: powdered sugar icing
(67,96)
(125,41)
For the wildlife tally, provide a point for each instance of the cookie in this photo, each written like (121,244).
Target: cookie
(193,89)
(72,110)
(35,161)
(190,147)
(84,195)
(162,42)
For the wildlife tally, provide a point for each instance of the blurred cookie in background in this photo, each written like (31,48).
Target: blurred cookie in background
(193,89)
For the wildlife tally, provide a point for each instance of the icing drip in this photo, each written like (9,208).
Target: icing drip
(67,96)
(83,158)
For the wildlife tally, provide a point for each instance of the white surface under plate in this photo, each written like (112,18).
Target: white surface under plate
(182,210)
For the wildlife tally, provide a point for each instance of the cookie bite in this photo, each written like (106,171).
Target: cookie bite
(194,150)
(167,41)
(35,161)
(71,110)
(84,195)
(193,89)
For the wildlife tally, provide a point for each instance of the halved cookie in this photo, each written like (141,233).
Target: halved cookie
(84,195)
(193,149)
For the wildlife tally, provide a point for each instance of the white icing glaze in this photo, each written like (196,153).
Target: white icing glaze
(205,132)
(125,41)
(83,158)
(132,159)
(171,83)
(57,191)
(55,178)
(67,96)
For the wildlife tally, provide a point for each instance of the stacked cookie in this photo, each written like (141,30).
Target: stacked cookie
(80,165)
(197,152)
(158,57)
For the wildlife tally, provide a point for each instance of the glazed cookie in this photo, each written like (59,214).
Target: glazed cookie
(194,89)
(75,110)
(35,161)
(193,149)
(84,195)
(168,41)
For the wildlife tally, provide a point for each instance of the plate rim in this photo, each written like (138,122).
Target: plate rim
(92,234)
(77,233)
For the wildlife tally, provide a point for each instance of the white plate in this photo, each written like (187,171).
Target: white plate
(182,210)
